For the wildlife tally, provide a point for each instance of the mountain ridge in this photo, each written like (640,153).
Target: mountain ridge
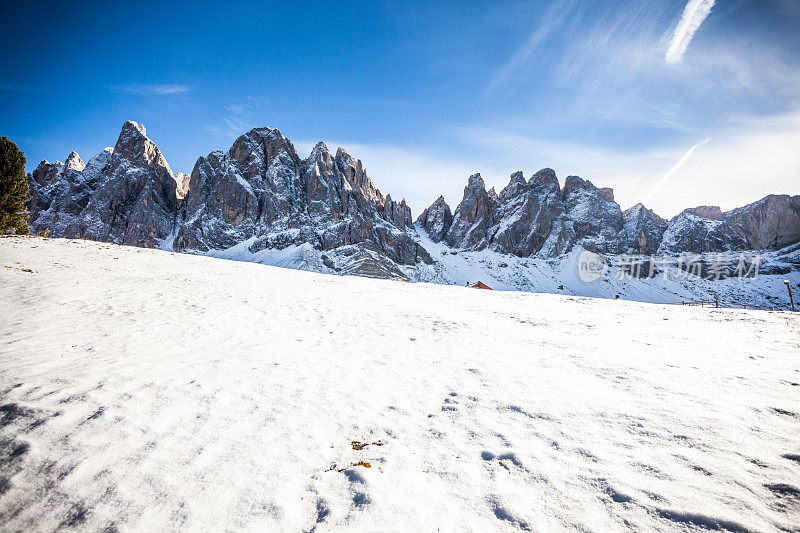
(261,195)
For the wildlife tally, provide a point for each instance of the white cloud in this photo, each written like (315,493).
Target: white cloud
(693,16)
(151,89)
(747,160)
(675,168)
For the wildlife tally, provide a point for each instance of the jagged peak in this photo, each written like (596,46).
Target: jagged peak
(607,193)
(134,145)
(476,181)
(132,133)
(517,177)
(712,212)
(131,127)
(320,154)
(341,153)
(545,177)
(262,142)
(346,160)
(74,162)
(635,210)
(320,147)
(545,173)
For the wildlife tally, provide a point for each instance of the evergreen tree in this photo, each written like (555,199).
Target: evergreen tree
(13,189)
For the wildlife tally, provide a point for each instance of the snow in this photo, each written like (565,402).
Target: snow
(560,276)
(147,390)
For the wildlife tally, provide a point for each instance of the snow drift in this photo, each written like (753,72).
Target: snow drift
(149,390)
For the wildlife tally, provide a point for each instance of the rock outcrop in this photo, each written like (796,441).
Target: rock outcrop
(643,230)
(537,217)
(594,217)
(532,221)
(772,222)
(436,219)
(474,218)
(691,233)
(259,193)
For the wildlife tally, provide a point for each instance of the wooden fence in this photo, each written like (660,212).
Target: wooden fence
(727,305)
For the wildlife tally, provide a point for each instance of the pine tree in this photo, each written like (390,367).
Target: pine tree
(13,189)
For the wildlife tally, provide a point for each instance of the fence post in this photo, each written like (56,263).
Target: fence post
(791,298)
(716,300)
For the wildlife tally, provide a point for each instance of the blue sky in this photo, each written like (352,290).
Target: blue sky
(426,93)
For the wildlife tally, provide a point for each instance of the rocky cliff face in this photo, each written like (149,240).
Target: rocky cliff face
(260,196)
(532,216)
(436,219)
(536,217)
(772,222)
(475,217)
(259,192)
(125,195)
(593,215)
(643,230)
(689,232)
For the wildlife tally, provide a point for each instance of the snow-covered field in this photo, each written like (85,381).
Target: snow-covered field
(141,389)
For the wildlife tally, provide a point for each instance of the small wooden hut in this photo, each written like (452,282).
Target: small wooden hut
(480,285)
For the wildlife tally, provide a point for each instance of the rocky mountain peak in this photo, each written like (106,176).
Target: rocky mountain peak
(607,193)
(517,185)
(74,162)
(436,219)
(135,148)
(772,222)
(546,175)
(712,212)
(474,183)
(517,179)
(575,183)
(474,217)
(643,230)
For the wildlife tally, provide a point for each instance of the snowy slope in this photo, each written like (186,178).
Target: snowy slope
(142,389)
(533,274)
(560,276)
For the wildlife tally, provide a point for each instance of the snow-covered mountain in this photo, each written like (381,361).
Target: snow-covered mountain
(127,194)
(259,201)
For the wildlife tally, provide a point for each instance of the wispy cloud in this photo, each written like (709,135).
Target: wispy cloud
(551,21)
(152,89)
(693,16)
(671,172)
(758,154)
(238,118)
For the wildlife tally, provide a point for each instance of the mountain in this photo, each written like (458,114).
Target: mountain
(127,194)
(261,192)
(643,230)
(258,193)
(260,201)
